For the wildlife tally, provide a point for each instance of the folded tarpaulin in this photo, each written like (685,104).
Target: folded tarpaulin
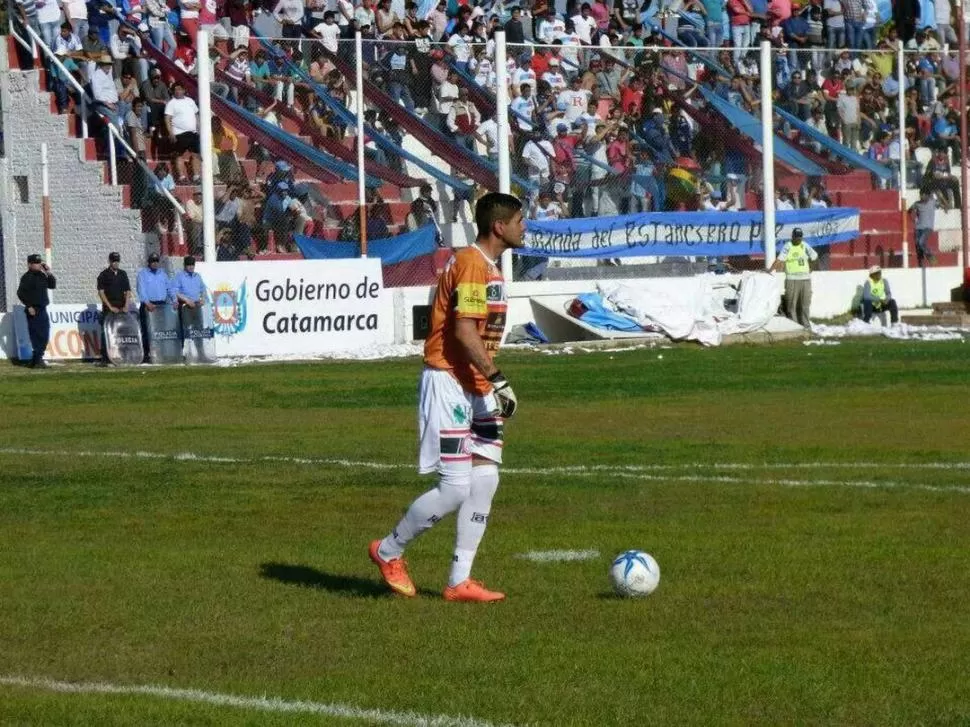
(708,234)
(390,250)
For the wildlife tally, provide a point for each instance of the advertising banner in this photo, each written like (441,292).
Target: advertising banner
(299,307)
(75,332)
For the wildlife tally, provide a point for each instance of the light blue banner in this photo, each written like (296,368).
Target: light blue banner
(390,250)
(705,234)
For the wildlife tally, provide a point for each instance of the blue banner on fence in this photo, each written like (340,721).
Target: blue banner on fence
(390,250)
(705,234)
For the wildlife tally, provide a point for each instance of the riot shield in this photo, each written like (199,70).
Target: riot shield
(164,338)
(199,344)
(122,335)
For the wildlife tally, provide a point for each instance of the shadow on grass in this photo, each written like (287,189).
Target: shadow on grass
(307,577)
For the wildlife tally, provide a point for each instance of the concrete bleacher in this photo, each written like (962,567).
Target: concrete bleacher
(881,226)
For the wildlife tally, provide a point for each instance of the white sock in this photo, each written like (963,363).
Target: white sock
(444,499)
(472,521)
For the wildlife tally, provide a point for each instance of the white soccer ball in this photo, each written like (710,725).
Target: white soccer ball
(634,574)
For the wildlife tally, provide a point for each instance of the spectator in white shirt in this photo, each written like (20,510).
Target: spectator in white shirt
(182,125)
(584,24)
(289,14)
(573,101)
(77,15)
(461,48)
(104,90)
(487,135)
(523,75)
(329,31)
(50,19)
(524,108)
(554,77)
(537,154)
(122,44)
(446,95)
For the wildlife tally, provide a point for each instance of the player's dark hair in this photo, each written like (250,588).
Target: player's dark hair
(494,207)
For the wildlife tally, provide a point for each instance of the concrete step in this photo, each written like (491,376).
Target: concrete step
(866,198)
(935,320)
(853,181)
(880,220)
(951,308)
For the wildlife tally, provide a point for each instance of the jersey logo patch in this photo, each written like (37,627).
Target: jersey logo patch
(472,299)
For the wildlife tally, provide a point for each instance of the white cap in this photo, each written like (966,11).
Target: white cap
(875,269)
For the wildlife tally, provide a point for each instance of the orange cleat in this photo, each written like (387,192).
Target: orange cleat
(394,572)
(473,592)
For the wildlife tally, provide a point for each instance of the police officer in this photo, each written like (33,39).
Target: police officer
(188,291)
(114,290)
(152,288)
(796,258)
(32,292)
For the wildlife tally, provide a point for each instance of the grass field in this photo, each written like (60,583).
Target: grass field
(206,529)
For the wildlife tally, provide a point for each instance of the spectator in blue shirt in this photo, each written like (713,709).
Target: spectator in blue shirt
(655,136)
(152,289)
(946,133)
(796,35)
(187,289)
(759,20)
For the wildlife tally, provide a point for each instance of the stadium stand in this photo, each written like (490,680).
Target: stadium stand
(634,107)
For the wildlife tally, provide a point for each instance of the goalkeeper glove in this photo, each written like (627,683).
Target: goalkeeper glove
(507,403)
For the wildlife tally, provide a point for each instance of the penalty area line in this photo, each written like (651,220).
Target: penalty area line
(633,472)
(263,704)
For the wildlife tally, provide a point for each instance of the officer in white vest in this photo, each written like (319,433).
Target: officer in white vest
(795,259)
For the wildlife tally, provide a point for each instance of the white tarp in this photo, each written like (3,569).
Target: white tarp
(695,309)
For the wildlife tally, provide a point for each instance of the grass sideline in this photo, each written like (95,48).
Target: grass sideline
(782,600)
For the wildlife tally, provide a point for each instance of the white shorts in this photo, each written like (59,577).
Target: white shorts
(453,425)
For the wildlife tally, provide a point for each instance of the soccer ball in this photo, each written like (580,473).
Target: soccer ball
(634,574)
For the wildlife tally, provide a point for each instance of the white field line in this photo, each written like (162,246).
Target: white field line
(263,704)
(557,556)
(634,472)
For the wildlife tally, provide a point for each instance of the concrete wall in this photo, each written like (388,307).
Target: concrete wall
(88,219)
(833,293)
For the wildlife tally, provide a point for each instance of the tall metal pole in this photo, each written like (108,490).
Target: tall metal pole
(46,208)
(205,147)
(768,153)
(964,232)
(359,110)
(901,99)
(503,131)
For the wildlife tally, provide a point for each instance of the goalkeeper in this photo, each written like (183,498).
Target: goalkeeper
(463,400)
(876,296)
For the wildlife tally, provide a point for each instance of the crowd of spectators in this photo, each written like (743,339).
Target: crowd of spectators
(601,92)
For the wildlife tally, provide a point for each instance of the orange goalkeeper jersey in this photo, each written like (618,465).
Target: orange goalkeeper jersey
(470,287)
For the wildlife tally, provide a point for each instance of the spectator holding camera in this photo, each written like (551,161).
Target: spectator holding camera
(32,292)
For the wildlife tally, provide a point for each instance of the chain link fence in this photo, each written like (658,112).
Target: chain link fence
(596,131)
